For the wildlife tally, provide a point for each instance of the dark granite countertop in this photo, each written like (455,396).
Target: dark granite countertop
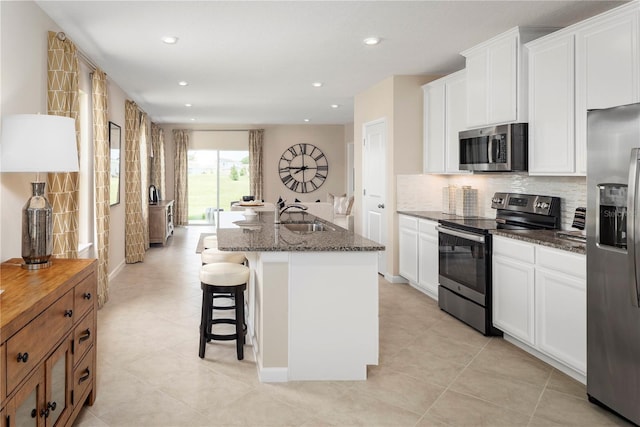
(430,215)
(545,238)
(262,235)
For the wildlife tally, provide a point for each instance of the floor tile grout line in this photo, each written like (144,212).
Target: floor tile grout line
(546,384)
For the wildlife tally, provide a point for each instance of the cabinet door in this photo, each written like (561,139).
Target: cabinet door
(513,298)
(428,263)
(502,86)
(24,409)
(3,368)
(561,303)
(552,143)
(476,66)
(456,119)
(57,405)
(408,243)
(434,128)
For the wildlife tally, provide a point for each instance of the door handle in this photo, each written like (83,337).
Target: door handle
(632,226)
(381,206)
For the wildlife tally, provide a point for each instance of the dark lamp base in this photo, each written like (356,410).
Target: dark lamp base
(36,266)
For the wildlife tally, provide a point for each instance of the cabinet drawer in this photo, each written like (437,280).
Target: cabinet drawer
(34,340)
(83,378)
(83,338)
(84,295)
(428,227)
(562,261)
(408,222)
(514,249)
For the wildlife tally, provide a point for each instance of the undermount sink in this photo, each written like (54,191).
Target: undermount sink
(308,227)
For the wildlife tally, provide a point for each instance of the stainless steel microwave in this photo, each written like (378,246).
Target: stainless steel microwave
(501,148)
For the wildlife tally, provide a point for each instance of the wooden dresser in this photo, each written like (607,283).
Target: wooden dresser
(160,221)
(47,342)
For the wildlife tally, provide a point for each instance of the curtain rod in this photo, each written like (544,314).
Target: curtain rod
(62,37)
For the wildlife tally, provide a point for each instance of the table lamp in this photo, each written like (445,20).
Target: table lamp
(38,143)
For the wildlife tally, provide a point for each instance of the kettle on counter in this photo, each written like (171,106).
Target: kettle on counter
(154,195)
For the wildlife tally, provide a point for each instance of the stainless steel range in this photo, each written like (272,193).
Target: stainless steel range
(464,253)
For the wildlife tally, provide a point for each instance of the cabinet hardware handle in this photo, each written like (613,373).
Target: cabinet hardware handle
(34,413)
(52,406)
(23,357)
(87,295)
(85,336)
(85,376)
(44,413)
(68,313)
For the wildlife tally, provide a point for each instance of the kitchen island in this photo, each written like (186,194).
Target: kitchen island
(313,297)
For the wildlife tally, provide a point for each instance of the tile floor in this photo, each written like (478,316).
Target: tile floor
(433,371)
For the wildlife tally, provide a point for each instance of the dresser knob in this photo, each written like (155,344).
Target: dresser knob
(34,413)
(68,313)
(87,295)
(52,406)
(23,357)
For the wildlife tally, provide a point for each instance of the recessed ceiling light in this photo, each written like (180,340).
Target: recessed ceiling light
(316,84)
(371,41)
(187,105)
(183,83)
(192,119)
(335,106)
(170,39)
(307,120)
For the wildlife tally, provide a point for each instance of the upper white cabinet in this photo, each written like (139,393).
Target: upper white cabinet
(552,107)
(592,64)
(444,116)
(497,78)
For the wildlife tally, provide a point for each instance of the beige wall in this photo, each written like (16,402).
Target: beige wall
(398,100)
(277,138)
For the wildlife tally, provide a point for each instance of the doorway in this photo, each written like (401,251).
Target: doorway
(216,179)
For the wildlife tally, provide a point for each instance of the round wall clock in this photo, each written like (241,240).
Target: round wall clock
(303,168)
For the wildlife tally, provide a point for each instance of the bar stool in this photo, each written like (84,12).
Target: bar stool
(223,278)
(213,255)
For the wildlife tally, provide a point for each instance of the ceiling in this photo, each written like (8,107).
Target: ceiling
(255,62)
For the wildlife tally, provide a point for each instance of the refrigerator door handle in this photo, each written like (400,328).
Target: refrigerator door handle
(632,227)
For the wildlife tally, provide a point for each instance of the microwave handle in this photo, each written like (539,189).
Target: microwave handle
(489,150)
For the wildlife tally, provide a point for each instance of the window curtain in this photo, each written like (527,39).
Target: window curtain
(181,142)
(62,100)
(134,228)
(101,152)
(144,177)
(157,171)
(255,162)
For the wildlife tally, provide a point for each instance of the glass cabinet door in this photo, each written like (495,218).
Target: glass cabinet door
(57,400)
(23,409)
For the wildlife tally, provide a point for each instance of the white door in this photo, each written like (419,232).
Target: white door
(373,184)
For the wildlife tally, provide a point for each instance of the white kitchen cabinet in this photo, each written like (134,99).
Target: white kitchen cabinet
(539,297)
(514,289)
(444,117)
(497,78)
(418,244)
(428,257)
(552,142)
(408,247)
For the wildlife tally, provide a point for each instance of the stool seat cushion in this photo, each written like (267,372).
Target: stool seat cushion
(210,242)
(212,255)
(224,274)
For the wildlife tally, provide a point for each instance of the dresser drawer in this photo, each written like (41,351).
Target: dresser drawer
(83,378)
(83,338)
(84,295)
(26,349)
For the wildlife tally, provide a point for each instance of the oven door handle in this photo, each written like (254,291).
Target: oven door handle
(461,234)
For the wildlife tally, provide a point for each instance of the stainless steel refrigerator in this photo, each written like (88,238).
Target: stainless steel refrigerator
(613,267)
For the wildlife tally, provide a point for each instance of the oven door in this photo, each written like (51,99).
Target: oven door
(464,263)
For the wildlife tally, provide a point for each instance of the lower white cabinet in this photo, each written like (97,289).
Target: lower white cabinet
(418,242)
(539,298)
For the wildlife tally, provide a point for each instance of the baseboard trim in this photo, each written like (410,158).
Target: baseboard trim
(394,279)
(116,271)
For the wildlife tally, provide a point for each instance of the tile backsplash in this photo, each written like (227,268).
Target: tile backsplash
(424,192)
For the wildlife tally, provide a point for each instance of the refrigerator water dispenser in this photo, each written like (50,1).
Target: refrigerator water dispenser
(612,215)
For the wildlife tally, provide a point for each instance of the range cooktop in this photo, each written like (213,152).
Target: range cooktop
(474,224)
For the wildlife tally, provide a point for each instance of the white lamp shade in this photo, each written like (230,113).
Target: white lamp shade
(38,143)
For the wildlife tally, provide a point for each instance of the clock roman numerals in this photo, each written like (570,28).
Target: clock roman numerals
(303,168)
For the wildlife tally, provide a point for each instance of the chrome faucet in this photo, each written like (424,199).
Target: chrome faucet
(279,211)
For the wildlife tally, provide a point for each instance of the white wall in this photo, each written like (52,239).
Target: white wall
(23,58)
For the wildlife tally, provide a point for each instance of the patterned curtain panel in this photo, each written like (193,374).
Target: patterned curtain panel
(62,100)
(134,246)
(101,161)
(181,142)
(255,162)
(144,177)
(157,171)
